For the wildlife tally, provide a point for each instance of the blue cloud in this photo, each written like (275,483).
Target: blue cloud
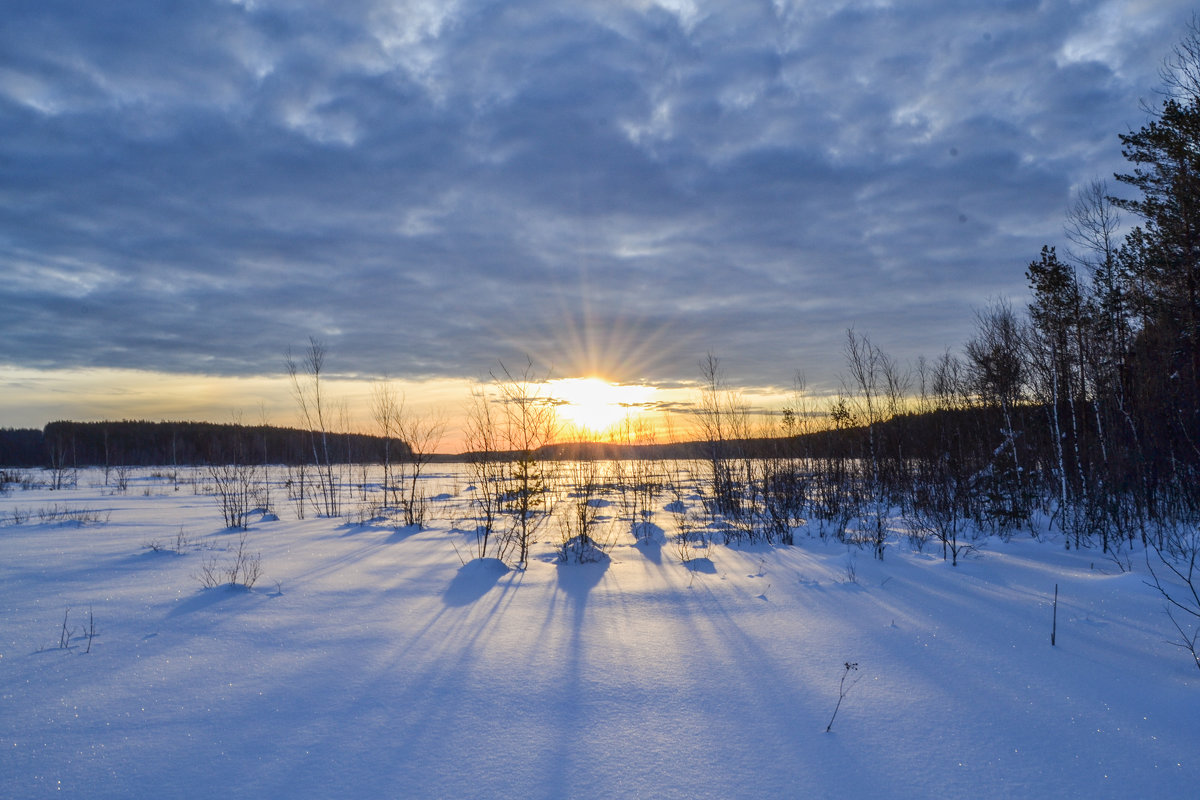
(195,186)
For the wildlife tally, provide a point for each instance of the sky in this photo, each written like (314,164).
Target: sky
(616,188)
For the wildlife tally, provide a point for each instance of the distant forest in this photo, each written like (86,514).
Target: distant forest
(140,443)
(150,444)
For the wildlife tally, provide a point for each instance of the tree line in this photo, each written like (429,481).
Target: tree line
(142,443)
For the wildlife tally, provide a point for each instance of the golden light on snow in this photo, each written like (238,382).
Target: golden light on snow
(594,406)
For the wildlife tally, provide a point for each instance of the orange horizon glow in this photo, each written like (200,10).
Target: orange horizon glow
(590,408)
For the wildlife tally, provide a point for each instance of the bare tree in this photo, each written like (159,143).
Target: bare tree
(939,504)
(529,422)
(422,433)
(997,375)
(714,433)
(1092,226)
(1180,556)
(646,480)
(580,521)
(487,468)
(875,391)
(724,426)
(316,415)
(297,484)
(61,453)
(386,408)
(1180,72)
(237,490)
(237,481)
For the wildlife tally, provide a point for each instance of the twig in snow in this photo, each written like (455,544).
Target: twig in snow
(843,690)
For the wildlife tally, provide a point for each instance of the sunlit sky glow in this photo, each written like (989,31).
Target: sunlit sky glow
(594,407)
(608,188)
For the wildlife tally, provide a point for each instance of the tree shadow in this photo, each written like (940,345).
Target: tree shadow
(209,597)
(355,528)
(650,541)
(473,580)
(576,580)
(403,532)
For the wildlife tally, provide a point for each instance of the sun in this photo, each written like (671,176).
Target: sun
(594,405)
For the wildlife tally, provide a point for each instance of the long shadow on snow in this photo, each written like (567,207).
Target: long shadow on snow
(374,524)
(738,660)
(473,580)
(421,698)
(402,533)
(209,597)
(575,581)
(650,541)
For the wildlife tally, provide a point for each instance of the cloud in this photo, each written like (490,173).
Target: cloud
(194,187)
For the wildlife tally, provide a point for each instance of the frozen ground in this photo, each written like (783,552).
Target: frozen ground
(369,661)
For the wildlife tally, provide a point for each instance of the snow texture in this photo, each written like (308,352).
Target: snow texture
(371,661)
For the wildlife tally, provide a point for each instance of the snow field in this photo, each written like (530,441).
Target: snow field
(371,661)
